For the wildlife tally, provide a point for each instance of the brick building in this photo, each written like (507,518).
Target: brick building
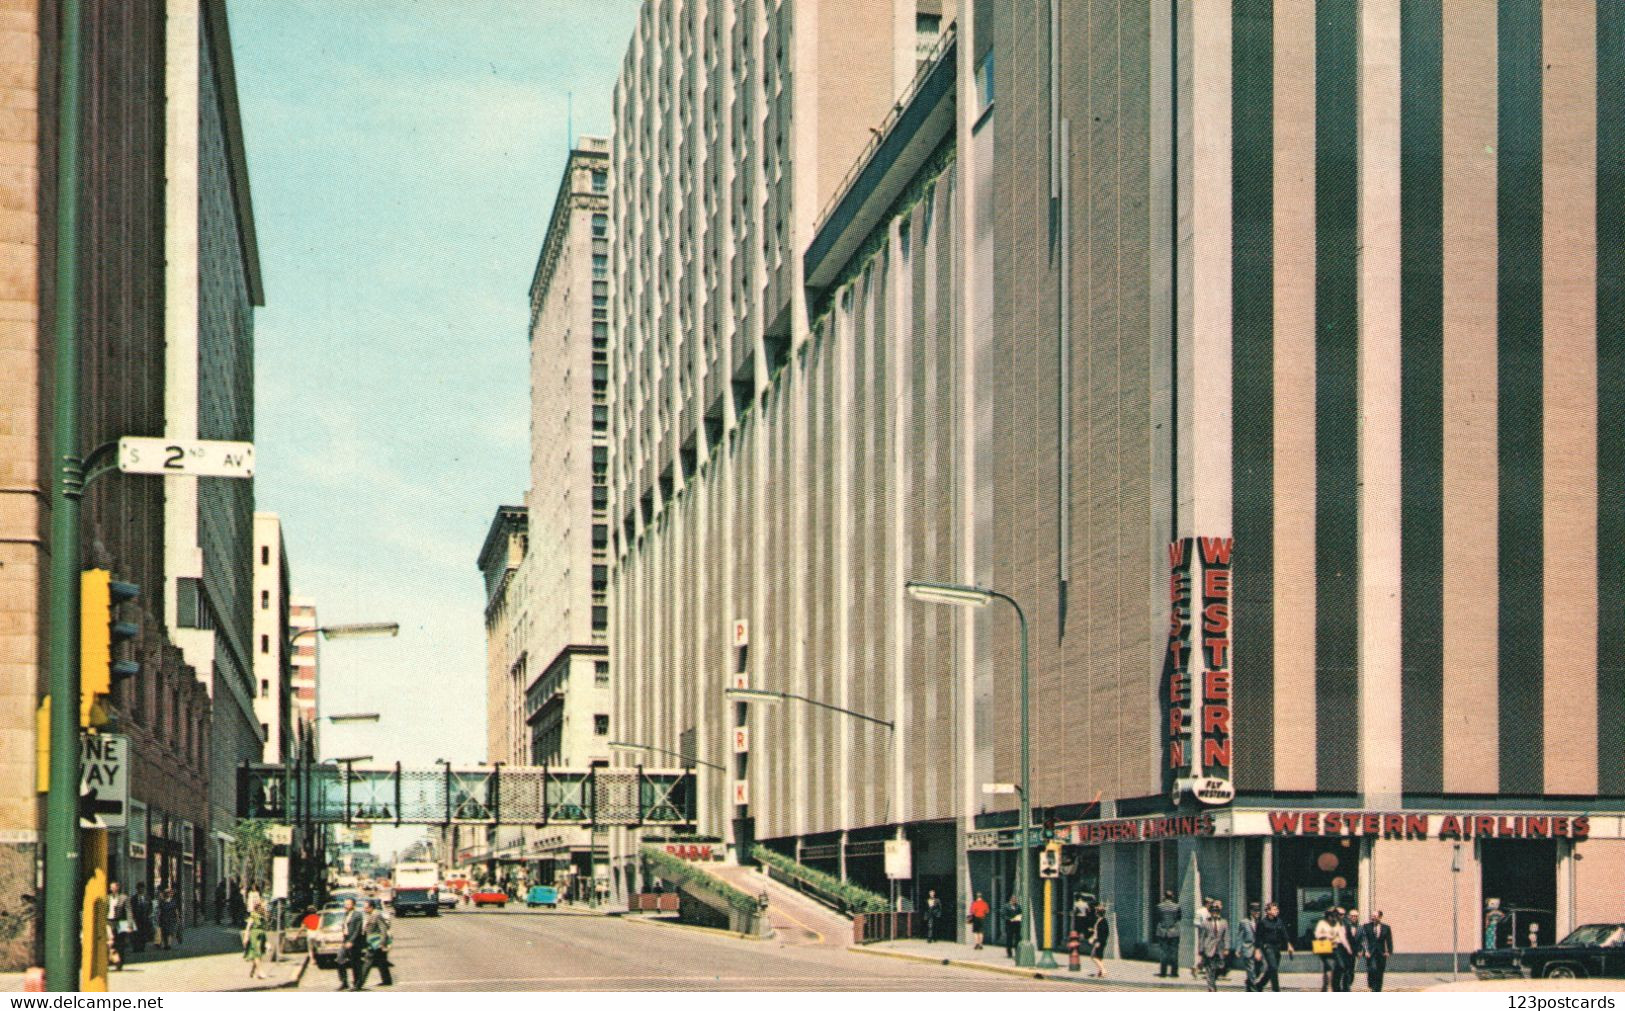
(137,239)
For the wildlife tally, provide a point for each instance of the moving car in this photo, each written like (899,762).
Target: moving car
(417,889)
(542,895)
(490,897)
(448,896)
(1596,950)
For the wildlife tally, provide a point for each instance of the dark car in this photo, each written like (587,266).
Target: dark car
(1596,950)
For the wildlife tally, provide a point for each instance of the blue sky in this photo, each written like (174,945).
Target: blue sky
(403,162)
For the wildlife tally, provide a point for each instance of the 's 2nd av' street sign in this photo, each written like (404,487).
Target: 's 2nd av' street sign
(194,457)
(104,780)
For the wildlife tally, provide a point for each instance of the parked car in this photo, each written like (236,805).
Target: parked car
(1594,951)
(328,937)
(542,895)
(490,897)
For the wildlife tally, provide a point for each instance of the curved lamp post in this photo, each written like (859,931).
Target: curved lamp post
(960,595)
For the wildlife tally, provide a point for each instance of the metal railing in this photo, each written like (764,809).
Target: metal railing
(879,134)
(869,928)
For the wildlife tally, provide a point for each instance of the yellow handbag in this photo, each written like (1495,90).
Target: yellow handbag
(1322,946)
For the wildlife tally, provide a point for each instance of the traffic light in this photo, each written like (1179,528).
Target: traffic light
(100,633)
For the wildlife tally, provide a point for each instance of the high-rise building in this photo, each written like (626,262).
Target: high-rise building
(169,278)
(1263,353)
(305,681)
(736,126)
(567,563)
(507,661)
(273,690)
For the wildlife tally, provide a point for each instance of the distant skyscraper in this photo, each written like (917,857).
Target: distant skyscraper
(272,691)
(306,663)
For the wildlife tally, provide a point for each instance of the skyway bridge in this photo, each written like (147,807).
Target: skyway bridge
(481,795)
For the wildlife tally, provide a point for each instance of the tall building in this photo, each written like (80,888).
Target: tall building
(507,661)
(273,689)
(305,658)
(735,126)
(1263,353)
(167,225)
(567,563)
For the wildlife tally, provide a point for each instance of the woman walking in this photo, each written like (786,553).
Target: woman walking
(1329,936)
(169,919)
(1098,938)
(254,941)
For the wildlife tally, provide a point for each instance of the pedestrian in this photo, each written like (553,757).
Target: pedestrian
(1204,912)
(1099,936)
(352,956)
(1329,935)
(1247,946)
(254,941)
(119,925)
(1012,927)
(378,943)
(1269,938)
(1213,947)
(169,920)
(1347,956)
(1080,914)
(933,916)
(141,914)
(1168,916)
(1378,946)
(978,919)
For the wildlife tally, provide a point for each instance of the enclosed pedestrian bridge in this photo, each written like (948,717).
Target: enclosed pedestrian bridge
(483,795)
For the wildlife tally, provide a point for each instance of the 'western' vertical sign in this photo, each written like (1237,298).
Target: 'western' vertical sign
(1197,683)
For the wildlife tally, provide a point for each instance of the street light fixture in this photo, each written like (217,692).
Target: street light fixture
(772,698)
(351,718)
(348,760)
(961,595)
(359,630)
(630,746)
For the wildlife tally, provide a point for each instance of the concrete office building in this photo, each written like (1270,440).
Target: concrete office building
(273,688)
(1303,454)
(736,124)
(505,618)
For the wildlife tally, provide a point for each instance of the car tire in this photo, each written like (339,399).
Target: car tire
(1564,970)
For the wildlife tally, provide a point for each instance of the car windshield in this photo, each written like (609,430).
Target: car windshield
(1593,935)
(331,918)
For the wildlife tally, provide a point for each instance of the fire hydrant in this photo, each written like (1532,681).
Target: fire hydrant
(1074,962)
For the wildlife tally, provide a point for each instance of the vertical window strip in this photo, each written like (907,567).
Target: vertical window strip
(1610,397)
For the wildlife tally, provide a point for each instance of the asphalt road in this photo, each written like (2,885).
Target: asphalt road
(519,950)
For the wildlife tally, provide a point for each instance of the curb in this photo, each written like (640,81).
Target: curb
(1063,976)
(713,931)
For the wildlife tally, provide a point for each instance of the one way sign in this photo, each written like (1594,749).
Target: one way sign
(104,780)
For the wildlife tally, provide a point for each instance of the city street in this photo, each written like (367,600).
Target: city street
(519,950)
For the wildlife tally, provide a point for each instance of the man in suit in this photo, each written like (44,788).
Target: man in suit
(1213,944)
(1168,916)
(352,960)
(1377,940)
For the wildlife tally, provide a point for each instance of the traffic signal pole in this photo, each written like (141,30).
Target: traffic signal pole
(62,801)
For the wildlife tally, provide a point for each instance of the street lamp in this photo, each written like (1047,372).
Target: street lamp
(348,760)
(630,746)
(771,698)
(361,630)
(960,595)
(351,718)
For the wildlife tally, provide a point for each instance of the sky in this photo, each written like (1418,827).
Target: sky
(403,159)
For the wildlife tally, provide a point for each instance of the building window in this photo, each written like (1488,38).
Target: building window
(265,600)
(265,644)
(600,418)
(600,724)
(600,535)
(600,618)
(265,731)
(600,673)
(265,686)
(600,335)
(600,266)
(600,181)
(984,82)
(265,554)
(926,29)
(600,226)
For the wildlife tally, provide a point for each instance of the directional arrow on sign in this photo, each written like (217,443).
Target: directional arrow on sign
(91,808)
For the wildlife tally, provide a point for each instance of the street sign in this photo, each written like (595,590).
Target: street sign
(1049,862)
(280,835)
(192,457)
(998,788)
(899,859)
(741,632)
(104,780)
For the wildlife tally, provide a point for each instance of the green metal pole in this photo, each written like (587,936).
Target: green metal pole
(62,803)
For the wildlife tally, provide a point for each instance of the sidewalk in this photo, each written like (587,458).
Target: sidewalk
(1301,973)
(210,959)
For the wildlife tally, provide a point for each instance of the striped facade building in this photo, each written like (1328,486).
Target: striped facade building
(1267,353)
